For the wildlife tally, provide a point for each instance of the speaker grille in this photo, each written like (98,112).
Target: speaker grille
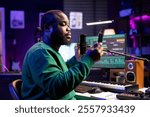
(130,77)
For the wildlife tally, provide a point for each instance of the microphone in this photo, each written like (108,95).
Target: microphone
(82,44)
(100,35)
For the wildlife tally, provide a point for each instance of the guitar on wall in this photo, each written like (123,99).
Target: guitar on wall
(15,64)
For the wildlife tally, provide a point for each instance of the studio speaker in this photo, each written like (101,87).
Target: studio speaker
(134,70)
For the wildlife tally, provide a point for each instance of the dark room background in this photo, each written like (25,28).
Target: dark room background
(93,10)
(24,38)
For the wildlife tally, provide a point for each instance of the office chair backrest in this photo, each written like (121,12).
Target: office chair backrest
(15,89)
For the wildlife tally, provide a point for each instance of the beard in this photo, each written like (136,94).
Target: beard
(58,39)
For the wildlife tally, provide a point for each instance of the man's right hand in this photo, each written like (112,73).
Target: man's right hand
(95,52)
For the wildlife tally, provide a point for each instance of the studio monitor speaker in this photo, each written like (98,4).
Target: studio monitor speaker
(134,70)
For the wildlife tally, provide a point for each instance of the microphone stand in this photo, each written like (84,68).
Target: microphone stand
(124,54)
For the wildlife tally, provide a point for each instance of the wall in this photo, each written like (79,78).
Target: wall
(93,10)
(24,37)
(122,23)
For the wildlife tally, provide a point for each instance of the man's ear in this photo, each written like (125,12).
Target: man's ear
(49,29)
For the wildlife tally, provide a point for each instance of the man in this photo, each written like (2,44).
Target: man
(45,75)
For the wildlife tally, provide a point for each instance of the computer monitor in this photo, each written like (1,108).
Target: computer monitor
(116,43)
(67,51)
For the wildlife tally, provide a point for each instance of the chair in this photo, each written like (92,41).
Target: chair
(15,89)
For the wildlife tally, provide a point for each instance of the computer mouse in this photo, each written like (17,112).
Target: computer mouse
(95,90)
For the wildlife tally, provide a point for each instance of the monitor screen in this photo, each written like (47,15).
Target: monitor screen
(112,42)
(67,51)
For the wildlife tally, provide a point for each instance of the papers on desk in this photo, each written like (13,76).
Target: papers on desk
(100,96)
(105,95)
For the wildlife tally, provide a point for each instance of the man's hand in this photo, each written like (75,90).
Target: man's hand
(95,52)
